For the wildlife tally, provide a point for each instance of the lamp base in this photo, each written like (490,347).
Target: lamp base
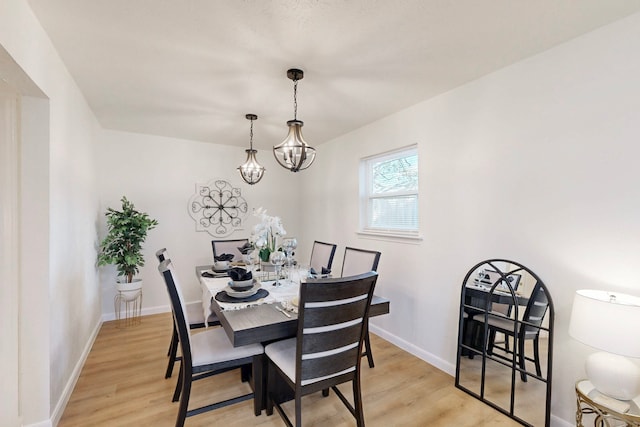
(613,375)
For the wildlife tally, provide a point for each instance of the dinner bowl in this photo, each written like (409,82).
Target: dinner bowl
(241,285)
(221,265)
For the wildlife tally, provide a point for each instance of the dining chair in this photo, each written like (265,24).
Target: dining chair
(490,278)
(322,255)
(358,261)
(196,318)
(228,247)
(208,353)
(521,330)
(326,351)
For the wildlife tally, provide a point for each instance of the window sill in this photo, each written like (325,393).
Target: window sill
(413,238)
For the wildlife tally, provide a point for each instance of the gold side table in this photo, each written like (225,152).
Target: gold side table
(604,411)
(132,301)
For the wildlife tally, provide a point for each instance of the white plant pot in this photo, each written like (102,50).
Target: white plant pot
(129,291)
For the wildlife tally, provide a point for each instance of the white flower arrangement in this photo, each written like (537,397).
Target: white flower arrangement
(266,233)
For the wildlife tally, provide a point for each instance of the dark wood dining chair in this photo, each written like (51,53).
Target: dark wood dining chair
(326,351)
(522,330)
(208,353)
(196,321)
(322,255)
(228,247)
(358,261)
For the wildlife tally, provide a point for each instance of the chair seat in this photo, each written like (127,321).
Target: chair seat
(507,325)
(283,354)
(501,323)
(213,346)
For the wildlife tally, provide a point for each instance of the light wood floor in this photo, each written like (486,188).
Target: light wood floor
(122,384)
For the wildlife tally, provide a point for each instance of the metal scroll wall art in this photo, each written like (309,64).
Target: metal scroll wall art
(218,208)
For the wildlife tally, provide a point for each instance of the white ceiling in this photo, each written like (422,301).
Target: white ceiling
(193,68)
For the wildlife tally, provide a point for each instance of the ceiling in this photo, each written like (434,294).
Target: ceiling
(192,69)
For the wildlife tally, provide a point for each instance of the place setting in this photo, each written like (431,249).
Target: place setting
(242,287)
(221,266)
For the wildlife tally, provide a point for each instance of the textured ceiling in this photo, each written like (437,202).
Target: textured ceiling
(193,68)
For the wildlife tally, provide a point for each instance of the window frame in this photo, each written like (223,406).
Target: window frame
(366,196)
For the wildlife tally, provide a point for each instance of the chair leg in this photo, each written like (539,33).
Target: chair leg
(367,346)
(536,355)
(186,393)
(176,393)
(298,410)
(173,351)
(521,358)
(173,337)
(491,340)
(357,402)
(271,378)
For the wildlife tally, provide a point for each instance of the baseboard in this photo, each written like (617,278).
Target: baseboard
(46,423)
(559,422)
(71,383)
(106,317)
(431,359)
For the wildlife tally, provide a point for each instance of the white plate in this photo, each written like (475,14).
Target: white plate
(243,294)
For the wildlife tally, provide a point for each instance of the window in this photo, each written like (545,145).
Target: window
(389,193)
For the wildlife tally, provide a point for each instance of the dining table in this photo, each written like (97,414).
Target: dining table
(267,319)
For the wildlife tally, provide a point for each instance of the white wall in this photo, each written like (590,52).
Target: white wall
(159,176)
(60,302)
(535,163)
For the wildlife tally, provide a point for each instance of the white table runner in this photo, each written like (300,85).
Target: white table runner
(282,294)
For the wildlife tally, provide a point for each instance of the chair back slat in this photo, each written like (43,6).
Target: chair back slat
(331,365)
(358,261)
(327,341)
(228,247)
(322,255)
(331,324)
(318,317)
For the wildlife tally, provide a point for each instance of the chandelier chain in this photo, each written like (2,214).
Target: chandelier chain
(295,99)
(251,135)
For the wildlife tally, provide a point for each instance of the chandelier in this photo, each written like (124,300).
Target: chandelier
(294,153)
(251,171)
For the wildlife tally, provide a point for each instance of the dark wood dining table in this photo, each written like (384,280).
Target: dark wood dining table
(263,323)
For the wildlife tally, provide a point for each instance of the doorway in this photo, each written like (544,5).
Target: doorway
(9,254)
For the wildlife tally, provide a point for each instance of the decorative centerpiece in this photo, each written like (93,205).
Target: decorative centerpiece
(266,234)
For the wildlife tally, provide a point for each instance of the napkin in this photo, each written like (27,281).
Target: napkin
(223,257)
(212,275)
(246,248)
(239,274)
(325,271)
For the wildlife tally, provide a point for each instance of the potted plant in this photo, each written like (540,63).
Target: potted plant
(122,247)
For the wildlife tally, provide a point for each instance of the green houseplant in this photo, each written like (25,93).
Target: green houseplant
(122,247)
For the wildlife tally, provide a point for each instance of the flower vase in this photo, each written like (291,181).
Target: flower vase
(265,254)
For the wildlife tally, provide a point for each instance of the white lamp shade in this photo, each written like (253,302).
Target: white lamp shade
(607,321)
